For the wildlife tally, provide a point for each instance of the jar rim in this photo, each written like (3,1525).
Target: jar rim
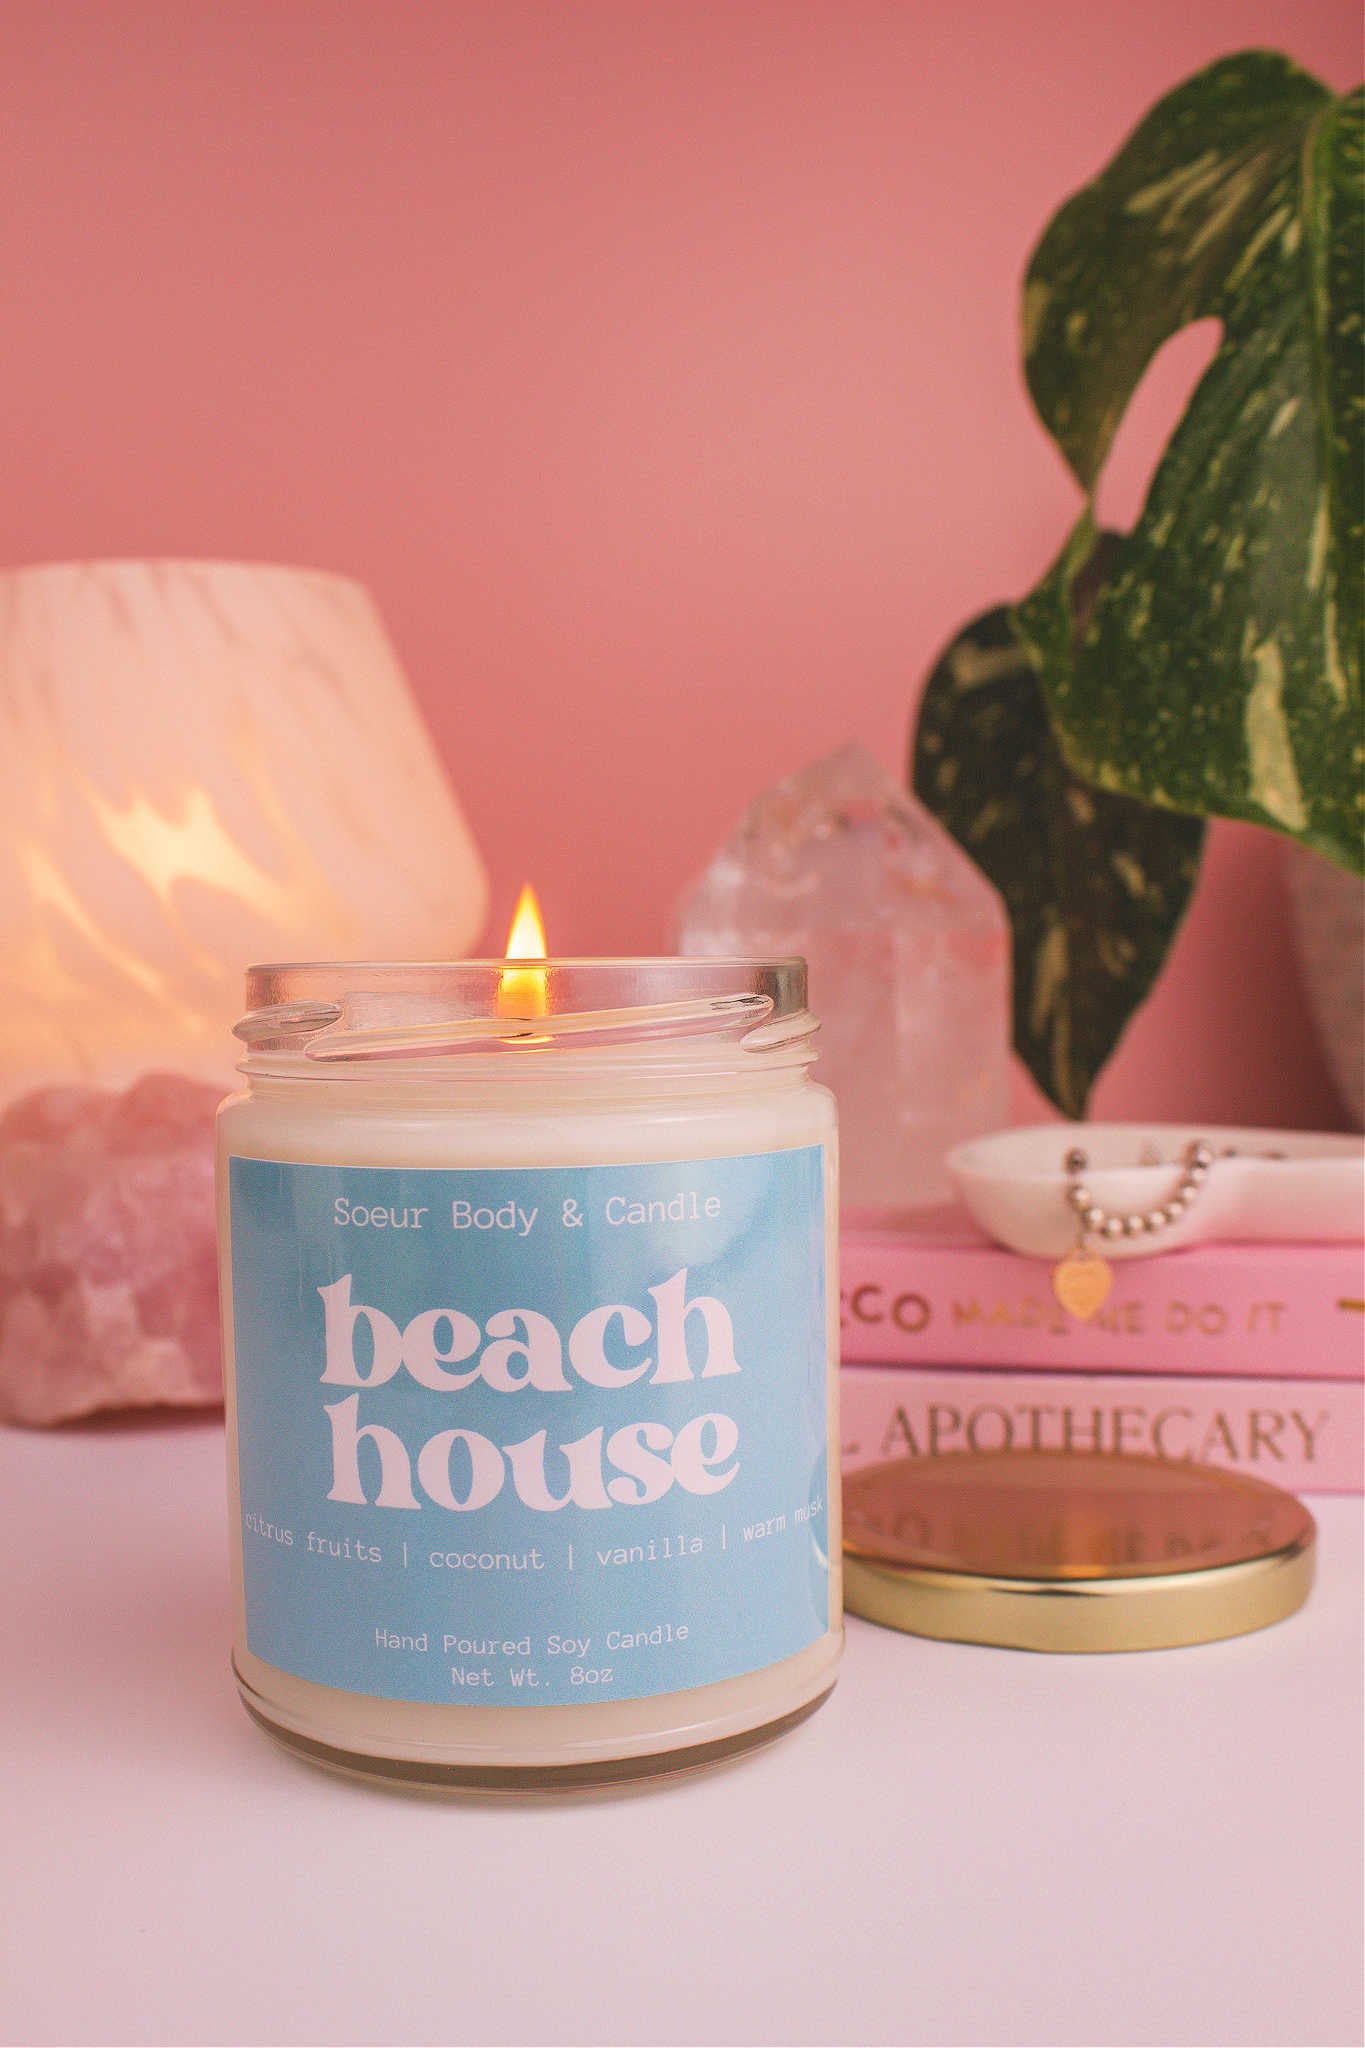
(348,1013)
(500,962)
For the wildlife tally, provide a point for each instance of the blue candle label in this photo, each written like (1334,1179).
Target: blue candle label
(532,1437)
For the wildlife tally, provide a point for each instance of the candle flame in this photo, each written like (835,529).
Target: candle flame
(526,939)
(521,991)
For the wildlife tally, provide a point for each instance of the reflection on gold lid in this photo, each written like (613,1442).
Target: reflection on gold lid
(1051,1550)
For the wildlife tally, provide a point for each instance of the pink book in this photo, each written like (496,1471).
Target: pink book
(1307,1435)
(1281,1311)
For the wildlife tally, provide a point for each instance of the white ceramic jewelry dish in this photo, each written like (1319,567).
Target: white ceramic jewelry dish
(1292,1186)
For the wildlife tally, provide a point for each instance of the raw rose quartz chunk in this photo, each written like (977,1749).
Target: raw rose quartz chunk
(108,1277)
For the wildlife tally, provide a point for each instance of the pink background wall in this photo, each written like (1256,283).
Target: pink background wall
(654,364)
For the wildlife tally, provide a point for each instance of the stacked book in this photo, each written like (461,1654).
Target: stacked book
(1247,1356)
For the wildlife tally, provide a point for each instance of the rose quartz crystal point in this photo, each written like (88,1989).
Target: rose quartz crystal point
(108,1287)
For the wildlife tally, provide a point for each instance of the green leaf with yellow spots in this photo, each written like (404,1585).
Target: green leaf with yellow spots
(1095,884)
(1219,673)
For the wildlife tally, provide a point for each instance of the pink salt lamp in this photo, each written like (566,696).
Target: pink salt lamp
(201,765)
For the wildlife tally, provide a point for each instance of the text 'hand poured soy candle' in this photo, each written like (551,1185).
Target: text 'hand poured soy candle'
(531,1343)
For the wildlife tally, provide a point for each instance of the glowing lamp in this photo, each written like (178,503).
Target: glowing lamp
(201,765)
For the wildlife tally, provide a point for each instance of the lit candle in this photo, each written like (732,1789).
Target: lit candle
(531,1341)
(521,991)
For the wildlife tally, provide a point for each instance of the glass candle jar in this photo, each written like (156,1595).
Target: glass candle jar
(530,1337)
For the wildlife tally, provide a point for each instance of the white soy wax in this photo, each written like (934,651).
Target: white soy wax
(531,1355)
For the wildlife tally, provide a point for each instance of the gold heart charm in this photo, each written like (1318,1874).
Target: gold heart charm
(1081,1282)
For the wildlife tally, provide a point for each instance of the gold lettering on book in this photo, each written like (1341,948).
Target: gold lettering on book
(1071,1441)
(1207,1318)
(1308,1432)
(1036,1436)
(997,1434)
(1160,1424)
(1176,1433)
(909,1312)
(1121,1419)
(944,1424)
(898,1439)
(1217,1436)
(1122,1319)
(912,1313)
(1030,1313)
(1266,1426)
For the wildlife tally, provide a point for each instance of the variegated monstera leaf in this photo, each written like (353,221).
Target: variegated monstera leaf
(1218,671)
(1094,883)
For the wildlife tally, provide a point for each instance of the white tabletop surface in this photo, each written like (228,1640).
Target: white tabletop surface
(964,1845)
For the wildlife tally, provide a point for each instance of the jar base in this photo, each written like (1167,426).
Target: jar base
(402,1773)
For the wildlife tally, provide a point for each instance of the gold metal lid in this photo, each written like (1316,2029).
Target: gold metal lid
(1052,1550)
